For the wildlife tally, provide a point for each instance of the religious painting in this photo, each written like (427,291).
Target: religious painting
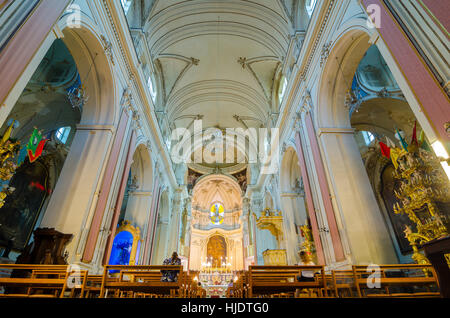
(241,178)
(121,250)
(398,221)
(22,207)
(217,250)
(192,178)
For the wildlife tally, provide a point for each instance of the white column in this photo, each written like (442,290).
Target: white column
(72,203)
(361,218)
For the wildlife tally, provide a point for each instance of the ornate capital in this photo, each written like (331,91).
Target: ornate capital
(325,53)
(307,103)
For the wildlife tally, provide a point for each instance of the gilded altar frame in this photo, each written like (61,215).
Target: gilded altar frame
(136,233)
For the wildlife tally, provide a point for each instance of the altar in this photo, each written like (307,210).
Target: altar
(216,281)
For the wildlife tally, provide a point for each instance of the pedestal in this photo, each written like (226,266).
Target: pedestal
(435,251)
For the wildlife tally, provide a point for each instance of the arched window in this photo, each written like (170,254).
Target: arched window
(310,4)
(152,88)
(62,134)
(282,90)
(216,213)
(126,5)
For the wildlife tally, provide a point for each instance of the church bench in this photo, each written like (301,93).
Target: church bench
(144,279)
(74,280)
(239,287)
(398,276)
(35,277)
(267,280)
(342,282)
(94,285)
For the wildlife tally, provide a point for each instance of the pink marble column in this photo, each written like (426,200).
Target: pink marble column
(440,10)
(309,200)
(20,49)
(104,190)
(428,92)
(120,195)
(323,184)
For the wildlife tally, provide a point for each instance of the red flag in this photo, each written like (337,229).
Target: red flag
(385,150)
(414,136)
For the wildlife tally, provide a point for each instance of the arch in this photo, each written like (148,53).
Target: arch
(366,236)
(216,249)
(290,173)
(87,48)
(142,168)
(293,204)
(231,199)
(91,143)
(337,76)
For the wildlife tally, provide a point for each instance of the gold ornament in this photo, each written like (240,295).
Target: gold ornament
(423,185)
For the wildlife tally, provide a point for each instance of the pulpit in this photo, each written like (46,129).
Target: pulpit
(47,247)
(275,257)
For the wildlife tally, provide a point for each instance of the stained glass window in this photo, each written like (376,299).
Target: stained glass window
(216,213)
(151,87)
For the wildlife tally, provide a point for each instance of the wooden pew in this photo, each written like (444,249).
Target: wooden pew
(36,277)
(267,280)
(342,282)
(142,279)
(93,285)
(74,281)
(396,276)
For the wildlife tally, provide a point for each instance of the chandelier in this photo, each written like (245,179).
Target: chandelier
(77,97)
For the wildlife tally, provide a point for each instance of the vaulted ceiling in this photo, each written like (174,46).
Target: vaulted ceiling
(219,61)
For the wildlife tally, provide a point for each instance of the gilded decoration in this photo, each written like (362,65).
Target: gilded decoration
(308,243)
(424,195)
(272,221)
(275,257)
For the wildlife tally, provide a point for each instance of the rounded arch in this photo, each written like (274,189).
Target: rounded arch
(371,242)
(86,44)
(290,174)
(216,249)
(142,168)
(215,188)
(345,55)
